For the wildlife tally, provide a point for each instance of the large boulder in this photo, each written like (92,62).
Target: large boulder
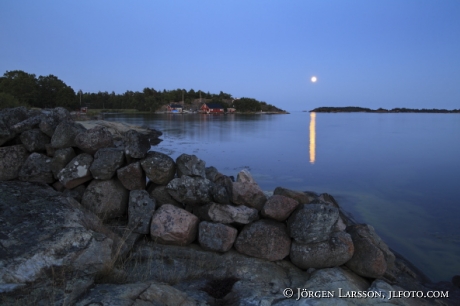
(216,236)
(312,222)
(55,248)
(61,158)
(8,118)
(173,225)
(371,257)
(140,210)
(132,176)
(34,140)
(37,168)
(94,139)
(279,207)
(190,190)
(190,165)
(264,239)
(300,197)
(107,199)
(326,254)
(248,194)
(226,214)
(106,162)
(51,120)
(76,172)
(244,176)
(136,144)
(159,167)
(11,161)
(65,133)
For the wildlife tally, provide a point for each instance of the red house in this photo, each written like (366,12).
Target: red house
(212,108)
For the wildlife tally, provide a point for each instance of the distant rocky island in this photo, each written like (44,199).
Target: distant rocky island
(356,109)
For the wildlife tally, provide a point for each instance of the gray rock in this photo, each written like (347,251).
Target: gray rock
(65,133)
(106,162)
(159,167)
(264,239)
(312,222)
(55,249)
(140,211)
(173,225)
(372,257)
(190,165)
(326,254)
(190,190)
(107,199)
(279,207)
(300,197)
(37,168)
(132,176)
(48,124)
(162,196)
(136,144)
(8,118)
(248,194)
(34,140)
(227,183)
(94,139)
(61,158)
(226,214)
(219,194)
(216,237)
(11,160)
(244,176)
(25,125)
(76,172)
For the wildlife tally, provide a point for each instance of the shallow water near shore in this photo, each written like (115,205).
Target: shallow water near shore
(398,172)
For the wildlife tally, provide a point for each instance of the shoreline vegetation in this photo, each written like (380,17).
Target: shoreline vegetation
(19,88)
(356,109)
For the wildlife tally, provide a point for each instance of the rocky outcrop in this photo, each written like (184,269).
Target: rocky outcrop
(76,172)
(279,207)
(34,140)
(190,190)
(65,133)
(54,248)
(248,194)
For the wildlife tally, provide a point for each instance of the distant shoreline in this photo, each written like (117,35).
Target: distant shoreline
(355,109)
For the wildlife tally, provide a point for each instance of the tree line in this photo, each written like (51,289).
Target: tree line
(19,88)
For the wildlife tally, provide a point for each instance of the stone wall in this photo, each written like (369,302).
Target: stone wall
(182,202)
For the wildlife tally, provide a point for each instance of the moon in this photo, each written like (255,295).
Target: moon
(313,79)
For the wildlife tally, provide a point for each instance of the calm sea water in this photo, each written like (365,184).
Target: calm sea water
(397,172)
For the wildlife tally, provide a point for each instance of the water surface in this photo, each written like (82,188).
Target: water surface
(398,172)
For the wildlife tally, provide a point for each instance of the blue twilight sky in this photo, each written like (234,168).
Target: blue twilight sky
(380,53)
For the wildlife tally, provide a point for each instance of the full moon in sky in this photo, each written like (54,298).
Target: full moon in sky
(313,79)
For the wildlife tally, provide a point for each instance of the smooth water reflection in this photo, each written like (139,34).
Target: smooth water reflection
(397,172)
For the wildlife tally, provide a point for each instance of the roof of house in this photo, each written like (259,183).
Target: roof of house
(214,105)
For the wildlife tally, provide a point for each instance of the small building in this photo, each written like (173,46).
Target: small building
(175,108)
(212,108)
(231,110)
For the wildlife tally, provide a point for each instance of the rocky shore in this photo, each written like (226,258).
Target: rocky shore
(91,216)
